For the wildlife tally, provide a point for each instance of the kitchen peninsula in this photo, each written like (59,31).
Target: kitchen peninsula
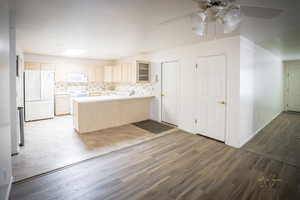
(96,113)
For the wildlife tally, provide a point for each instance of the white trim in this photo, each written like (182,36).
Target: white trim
(9,188)
(260,129)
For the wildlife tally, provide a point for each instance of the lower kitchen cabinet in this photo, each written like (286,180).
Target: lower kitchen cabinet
(62,104)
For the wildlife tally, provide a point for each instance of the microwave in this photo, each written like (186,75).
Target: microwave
(77,77)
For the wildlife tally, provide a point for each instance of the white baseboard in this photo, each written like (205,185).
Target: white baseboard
(9,188)
(256,132)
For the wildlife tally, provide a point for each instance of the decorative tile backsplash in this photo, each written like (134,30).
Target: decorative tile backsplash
(138,88)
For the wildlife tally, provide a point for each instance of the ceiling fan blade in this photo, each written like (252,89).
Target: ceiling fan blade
(176,19)
(260,12)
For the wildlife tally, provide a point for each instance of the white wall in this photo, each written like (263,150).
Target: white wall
(261,88)
(187,57)
(14,131)
(5,144)
(254,88)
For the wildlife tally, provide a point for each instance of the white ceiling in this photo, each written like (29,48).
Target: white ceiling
(110,29)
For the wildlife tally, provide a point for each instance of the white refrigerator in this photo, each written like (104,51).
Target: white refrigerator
(39,95)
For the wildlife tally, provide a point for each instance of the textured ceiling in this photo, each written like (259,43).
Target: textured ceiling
(110,29)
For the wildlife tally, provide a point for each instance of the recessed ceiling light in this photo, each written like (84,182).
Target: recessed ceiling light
(73,52)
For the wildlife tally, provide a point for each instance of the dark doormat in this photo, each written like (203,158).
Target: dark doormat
(153,126)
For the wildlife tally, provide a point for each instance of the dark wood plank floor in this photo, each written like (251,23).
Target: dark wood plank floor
(280,140)
(175,166)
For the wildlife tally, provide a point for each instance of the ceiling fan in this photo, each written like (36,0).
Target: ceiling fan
(226,12)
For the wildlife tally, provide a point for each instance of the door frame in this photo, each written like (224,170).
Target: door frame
(226,94)
(177,86)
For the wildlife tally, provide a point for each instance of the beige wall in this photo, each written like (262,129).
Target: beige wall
(62,66)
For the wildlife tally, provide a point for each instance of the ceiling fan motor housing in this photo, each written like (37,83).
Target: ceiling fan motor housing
(216,3)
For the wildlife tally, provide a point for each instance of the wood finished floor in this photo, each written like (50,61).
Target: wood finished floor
(52,144)
(280,140)
(175,166)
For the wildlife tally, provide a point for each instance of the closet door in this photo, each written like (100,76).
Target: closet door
(169,100)
(211,97)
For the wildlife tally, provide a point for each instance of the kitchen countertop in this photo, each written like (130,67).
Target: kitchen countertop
(107,98)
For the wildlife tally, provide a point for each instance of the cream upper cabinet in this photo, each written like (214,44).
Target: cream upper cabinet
(95,74)
(133,71)
(39,66)
(117,74)
(99,74)
(92,74)
(60,73)
(128,72)
(32,66)
(108,74)
(48,66)
(124,73)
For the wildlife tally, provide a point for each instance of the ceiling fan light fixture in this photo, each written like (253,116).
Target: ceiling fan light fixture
(199,23)
(231,19)
(200,30)
(226,12)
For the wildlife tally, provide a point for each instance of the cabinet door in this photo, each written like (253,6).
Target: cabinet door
(32,66)
(99,74)
(108,74)
(117,73)
(125,78)
(47,67)
(62,104)
(131,72)
(92,74)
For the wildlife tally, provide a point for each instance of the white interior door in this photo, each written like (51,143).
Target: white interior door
(211,96)
(294,89)
(170,92)
(32,85)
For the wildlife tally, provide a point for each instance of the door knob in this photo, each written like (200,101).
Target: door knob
(162,95)
(222,102)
